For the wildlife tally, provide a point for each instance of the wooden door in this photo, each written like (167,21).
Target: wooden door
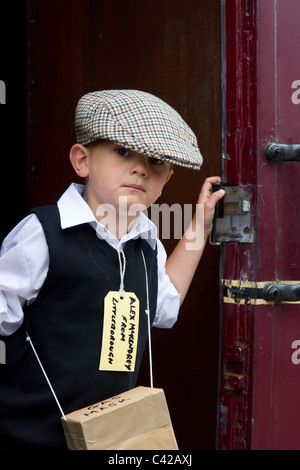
(259,375)
(277,378)
(172,49)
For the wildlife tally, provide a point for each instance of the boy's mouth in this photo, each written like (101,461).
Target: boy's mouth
(138,187)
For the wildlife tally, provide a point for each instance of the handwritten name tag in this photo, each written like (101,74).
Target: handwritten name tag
(120,332)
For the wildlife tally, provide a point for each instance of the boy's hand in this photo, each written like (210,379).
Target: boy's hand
(182,263)
(209,200)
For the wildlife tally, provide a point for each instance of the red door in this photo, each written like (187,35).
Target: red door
(260,334)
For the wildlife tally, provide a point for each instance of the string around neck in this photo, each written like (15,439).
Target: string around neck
(122,271)
(147,311)
(45,375)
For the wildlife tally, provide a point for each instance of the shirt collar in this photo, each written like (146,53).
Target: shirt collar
(74,211)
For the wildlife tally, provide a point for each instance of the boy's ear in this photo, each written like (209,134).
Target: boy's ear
(169,176)
(78,158)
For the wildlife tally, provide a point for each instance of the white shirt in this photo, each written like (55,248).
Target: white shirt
(24,260)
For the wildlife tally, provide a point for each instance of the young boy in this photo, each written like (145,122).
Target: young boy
(65,270)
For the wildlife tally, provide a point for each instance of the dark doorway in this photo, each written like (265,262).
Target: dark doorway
(172,49)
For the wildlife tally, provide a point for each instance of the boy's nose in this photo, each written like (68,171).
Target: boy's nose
(139,165)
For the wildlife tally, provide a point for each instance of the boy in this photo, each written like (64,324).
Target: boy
(66,269)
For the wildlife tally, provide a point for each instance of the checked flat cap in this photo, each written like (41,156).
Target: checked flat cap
(139,121)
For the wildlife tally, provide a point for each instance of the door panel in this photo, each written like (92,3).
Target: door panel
(277,327)
(259,375)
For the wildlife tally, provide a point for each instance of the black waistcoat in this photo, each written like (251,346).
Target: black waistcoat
(65,325)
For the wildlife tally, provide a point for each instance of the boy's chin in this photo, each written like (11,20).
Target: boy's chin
(132,209)
(130,205)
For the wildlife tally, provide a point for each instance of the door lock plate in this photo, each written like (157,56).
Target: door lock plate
(233,220)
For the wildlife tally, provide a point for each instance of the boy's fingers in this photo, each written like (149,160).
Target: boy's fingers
(215,197)
(206,187)
(218,194)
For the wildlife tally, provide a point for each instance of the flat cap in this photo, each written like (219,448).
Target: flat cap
(139,121)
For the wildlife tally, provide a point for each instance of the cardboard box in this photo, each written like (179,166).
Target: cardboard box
(135,420)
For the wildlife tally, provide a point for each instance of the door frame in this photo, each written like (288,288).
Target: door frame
(238,261)
(258,381)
